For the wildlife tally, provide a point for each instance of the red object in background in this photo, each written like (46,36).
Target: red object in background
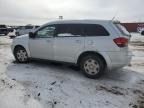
(133,27)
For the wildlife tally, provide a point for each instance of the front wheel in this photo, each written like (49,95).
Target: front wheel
(21,55)
(93,66)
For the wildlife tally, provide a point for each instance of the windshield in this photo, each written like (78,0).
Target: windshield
(122,29)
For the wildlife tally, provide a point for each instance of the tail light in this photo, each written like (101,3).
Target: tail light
(121,42)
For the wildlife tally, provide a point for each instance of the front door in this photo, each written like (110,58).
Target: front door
(42,45)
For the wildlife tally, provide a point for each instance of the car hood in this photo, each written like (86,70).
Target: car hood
(22,37)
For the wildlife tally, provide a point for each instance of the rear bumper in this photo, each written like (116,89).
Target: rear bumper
(120,59)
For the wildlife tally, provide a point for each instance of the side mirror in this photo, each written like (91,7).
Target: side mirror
(31,35)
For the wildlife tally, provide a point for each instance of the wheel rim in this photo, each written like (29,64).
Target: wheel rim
(91,67)
(21,55)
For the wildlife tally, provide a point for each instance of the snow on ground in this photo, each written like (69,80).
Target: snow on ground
(137,37)
(137,47)
(41,84)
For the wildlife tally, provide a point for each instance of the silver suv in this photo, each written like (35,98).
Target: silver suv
(93,45)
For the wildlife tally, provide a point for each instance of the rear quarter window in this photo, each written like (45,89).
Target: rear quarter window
(95,30)
(122,29)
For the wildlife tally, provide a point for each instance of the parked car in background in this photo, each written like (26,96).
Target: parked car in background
(142,31)
(10,29)
(3,30)
(25,29)
(93,45)
(12,33)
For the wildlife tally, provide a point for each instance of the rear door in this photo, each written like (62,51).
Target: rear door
(99,38)
(68,42)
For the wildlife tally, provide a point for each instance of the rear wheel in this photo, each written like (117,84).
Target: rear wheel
(92,66)
(21,55)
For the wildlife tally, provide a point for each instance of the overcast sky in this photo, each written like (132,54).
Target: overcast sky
(42,11)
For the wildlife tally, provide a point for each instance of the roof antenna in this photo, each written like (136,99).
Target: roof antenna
(114,16)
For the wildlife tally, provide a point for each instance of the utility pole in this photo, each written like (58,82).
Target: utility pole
(60,17)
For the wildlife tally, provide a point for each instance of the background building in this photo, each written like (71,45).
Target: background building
(134,27)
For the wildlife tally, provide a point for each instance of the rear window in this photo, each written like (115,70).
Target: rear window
(94,30)
(122,29)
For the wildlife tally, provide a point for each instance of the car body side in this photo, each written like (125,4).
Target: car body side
(114,57)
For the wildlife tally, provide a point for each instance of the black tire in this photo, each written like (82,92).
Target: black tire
(99,62)
(6,34)
(142,33)
(24,55)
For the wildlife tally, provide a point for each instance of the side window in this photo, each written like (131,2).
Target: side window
(46,32)
(95,30)
(68,30)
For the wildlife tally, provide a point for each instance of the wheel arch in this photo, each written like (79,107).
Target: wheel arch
(102,55)
(21,46)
